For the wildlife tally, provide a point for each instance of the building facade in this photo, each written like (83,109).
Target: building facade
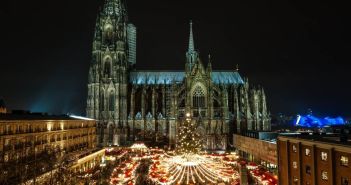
(314,160)
(264,152)
(131,104)
(30,145)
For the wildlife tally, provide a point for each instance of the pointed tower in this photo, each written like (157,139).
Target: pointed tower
(209,65)
(236,112)
(191,54)
(265,118)
(245,105)
(114,43)
(255,108)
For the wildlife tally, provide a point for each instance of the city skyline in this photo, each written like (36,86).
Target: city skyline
(297,54)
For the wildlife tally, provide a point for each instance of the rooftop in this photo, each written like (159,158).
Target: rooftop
(167,77)
(332,138)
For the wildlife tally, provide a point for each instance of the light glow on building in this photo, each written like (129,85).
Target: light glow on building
(313,121)
(81,117)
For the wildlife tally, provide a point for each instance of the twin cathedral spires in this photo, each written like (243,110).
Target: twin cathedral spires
(132,105)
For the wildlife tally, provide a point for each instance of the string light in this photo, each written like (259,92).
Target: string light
(183,169)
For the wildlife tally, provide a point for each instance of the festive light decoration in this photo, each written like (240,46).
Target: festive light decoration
(139,146)
(124,173)
(263,177)
(186,166)
(112,154)
(189,166)
(194,168)
(189,140)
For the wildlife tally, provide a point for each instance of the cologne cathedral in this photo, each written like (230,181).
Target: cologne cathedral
(133,105)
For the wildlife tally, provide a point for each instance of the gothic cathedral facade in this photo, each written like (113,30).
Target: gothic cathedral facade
(132,105)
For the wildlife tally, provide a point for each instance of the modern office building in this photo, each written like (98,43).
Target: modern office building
(314,159)
(258,147)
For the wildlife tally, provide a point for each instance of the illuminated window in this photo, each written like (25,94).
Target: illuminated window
(307,152)
(6,158)
(344,161)
(295,180)
(295,164)
(294,148)
(108,32)
(49,126)
(324,175)
(324,156)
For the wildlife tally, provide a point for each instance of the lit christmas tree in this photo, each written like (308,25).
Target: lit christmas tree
(189,141)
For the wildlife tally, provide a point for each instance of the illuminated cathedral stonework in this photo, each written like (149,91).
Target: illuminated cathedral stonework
(132,105)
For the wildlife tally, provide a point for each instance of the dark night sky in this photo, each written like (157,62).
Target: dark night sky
(297,50)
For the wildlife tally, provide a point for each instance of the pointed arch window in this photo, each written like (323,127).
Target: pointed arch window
(112,101)
(108,32)
(102,101)
(198,98)
(110,134)
(107,67)
(101,130)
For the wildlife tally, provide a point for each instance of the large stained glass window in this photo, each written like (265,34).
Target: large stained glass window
(198,98)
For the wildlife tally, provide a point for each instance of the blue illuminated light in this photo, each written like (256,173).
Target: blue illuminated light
(160,77)
(312,121)
(81,117)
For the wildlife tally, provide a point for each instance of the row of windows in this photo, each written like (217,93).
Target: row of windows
(324,176)
(21,129)
(344,160)
(43,139)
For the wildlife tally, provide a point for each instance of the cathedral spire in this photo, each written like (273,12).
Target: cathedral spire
(191,54)
(191,47)
(209,65)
